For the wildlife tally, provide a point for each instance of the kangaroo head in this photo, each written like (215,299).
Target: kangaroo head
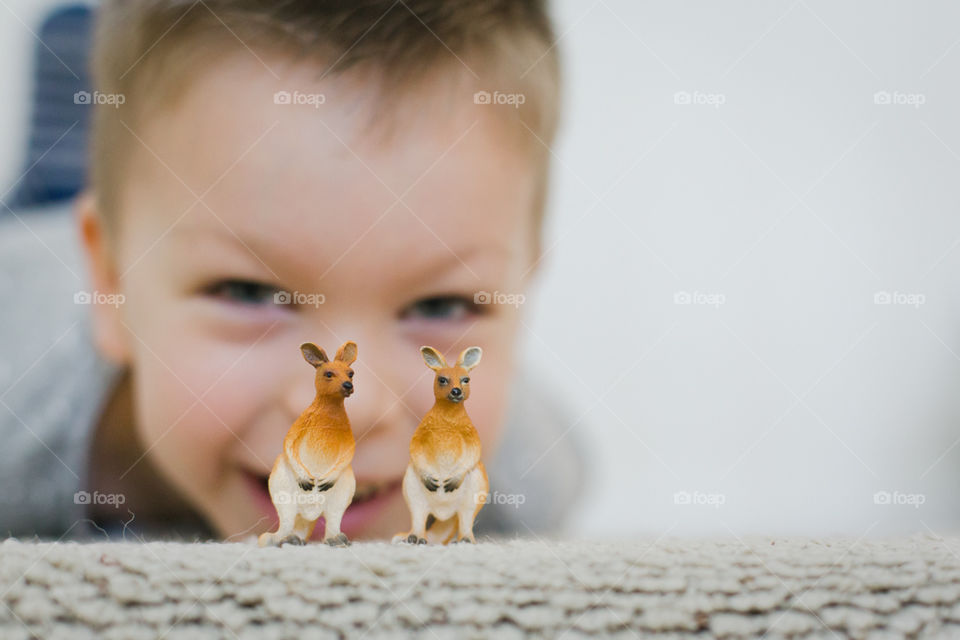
(334,377)
(452,384)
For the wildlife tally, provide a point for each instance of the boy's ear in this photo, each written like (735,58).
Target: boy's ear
(433,358)
(109,334)
(347,352)
(470,358)
(313,354)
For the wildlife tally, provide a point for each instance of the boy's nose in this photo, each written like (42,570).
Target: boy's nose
(347,385)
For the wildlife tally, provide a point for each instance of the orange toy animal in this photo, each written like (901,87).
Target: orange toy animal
(445,480)
(313,476)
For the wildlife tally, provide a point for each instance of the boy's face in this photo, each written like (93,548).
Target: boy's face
(383,241)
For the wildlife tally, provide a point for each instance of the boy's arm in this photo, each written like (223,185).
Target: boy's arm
(541,462)
(51,379)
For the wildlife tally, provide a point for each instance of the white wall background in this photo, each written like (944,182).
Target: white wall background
(793,202)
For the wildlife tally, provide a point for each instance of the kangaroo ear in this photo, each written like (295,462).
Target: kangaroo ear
(470,358)
(313,354)
(433,358)
(347,353)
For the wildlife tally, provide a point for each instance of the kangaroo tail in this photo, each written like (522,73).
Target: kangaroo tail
(442,531)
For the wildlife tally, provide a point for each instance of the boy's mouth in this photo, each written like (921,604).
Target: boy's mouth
(369,499)
(364,491)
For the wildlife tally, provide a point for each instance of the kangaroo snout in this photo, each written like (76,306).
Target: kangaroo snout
(347,388)
(455,395)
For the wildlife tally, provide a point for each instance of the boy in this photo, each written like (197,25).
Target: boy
(289,172)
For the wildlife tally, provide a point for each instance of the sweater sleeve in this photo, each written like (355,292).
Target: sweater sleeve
(538,472)
(52,382)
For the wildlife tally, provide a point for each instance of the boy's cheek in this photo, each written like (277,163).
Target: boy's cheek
(490,387)
(195,412)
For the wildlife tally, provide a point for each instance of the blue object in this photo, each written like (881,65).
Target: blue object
(56,160)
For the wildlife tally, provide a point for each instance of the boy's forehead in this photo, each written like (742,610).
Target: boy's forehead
(312,182)
(231,123)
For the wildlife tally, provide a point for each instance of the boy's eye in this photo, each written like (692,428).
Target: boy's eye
(440,308)
(244,291)
(443,381)
(329,374)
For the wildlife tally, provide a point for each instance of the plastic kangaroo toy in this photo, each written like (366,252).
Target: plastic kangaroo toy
(445,481)
(312,476)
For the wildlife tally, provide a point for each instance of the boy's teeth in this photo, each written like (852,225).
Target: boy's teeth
(369,490)
(365,492)
(361,493)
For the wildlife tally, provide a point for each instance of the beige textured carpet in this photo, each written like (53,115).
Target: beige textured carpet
(784,587)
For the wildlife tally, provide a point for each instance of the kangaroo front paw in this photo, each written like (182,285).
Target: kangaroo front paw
(414,539)
(292,539)
(452,484)
(339,540)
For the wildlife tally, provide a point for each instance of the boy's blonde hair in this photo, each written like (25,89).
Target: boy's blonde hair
(149,50)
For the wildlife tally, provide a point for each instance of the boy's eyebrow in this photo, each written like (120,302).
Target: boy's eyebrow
(225,235)
(221,231)
(447,260)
